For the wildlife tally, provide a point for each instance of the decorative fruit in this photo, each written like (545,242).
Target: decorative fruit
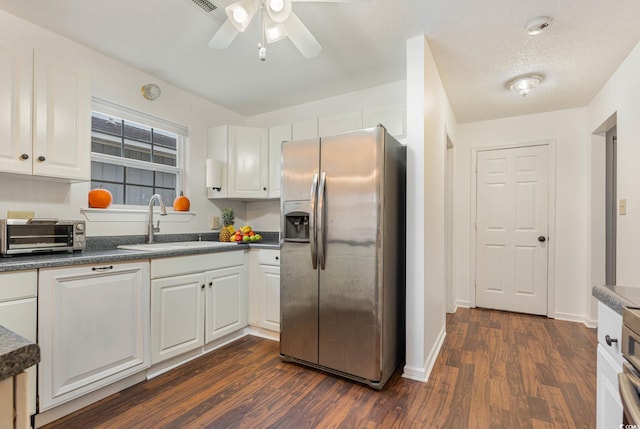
(181,203)
(100,198)
(228,217)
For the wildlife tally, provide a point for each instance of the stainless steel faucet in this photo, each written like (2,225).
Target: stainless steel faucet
(163,212)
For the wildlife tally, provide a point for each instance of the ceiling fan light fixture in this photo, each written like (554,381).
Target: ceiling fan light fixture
(524,84)
(273,31)
(276,5)
(240,14)
(278,10)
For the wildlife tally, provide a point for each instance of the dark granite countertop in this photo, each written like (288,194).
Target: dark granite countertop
(97,255)
(16,353)
(616,297)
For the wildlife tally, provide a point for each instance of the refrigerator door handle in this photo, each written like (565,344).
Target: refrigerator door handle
(312,221)
(320,219)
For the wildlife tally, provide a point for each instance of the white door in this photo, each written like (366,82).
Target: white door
(512,206)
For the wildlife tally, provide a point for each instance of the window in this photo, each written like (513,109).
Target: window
(135,160)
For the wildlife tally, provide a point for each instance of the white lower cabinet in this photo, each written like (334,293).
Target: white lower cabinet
(18,313)
(265,289)
(195,300)
(93,328)
(609,365)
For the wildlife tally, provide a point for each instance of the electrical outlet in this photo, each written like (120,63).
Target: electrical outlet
(623,207)
(215,222)
(20,214)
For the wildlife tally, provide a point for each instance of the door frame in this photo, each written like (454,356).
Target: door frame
(551,240)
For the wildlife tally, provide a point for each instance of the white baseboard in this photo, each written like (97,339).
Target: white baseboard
(257,331)
(580,318)
(422,373)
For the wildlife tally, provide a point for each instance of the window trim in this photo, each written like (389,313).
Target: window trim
(130,212)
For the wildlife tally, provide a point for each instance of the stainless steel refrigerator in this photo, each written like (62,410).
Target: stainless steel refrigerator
(342,272)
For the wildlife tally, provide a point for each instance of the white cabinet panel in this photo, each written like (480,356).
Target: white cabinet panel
(16,83)
(305,130)
(177,315)
(609,364)
(93,328)
(51,97)
(62,112)
(226,306)
(335,124)
(393,117)
(19,313)
(264,302)
(277,135)
(244,153)
(609,404)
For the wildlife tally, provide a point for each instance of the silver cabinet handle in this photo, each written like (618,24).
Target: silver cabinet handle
(313,196)
(321,233)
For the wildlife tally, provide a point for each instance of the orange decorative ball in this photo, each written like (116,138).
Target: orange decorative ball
(181,203)
(100,198)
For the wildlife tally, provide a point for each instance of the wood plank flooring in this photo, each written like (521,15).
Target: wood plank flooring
(496,370)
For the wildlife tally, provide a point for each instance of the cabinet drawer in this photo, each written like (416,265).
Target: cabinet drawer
(167,267)
(269,257)
(18,285)
(610,323)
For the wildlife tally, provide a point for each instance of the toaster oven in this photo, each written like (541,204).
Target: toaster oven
(28,236)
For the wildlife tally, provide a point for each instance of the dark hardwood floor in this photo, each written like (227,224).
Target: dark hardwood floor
(496,370)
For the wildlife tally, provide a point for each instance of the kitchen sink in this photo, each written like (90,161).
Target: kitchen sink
(179,245)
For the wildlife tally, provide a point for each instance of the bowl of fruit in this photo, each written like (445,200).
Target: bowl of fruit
(245,235)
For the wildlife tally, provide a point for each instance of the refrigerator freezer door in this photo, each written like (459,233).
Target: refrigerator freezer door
(298,278)
(350,288)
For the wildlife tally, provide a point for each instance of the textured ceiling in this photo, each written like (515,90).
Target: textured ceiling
(477,45)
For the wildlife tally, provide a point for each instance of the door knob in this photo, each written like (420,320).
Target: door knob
(542,239)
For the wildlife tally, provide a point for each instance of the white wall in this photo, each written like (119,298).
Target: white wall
(568,129)
(620,96)
(429,120)
(118,83)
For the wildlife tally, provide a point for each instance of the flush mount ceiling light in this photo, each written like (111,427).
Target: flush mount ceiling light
(277,21)
(523,84)
(538,25)
(150,91)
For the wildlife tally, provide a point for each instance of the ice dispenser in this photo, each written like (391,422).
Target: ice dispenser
(296,220)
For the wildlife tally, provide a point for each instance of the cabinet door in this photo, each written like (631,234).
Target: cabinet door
(393,117)
(305,130)
(335,124)
(248,160)
(61,119)
(19,313)
(93,328)
(609,404)
(270,297)
(226,307)
(277,135)
(177,317)
(16,81)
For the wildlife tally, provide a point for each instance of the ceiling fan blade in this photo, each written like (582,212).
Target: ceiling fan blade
(302,37)
(224,36)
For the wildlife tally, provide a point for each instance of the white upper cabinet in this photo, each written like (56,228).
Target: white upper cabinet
(336,124)
(393,117)
(305,129)
(244,155)
(277,135)
(46,105)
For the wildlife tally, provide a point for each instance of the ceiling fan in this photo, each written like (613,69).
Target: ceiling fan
(277,21)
